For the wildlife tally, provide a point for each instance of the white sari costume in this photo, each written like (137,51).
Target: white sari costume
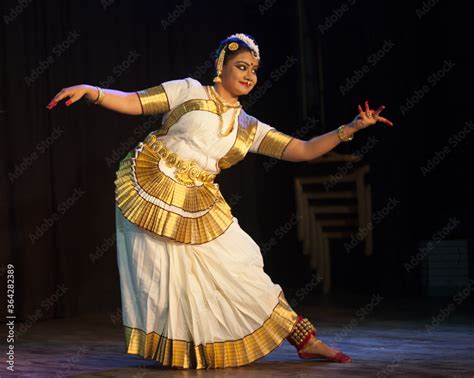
(194,292)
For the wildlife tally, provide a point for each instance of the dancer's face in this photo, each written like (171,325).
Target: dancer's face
(238,71)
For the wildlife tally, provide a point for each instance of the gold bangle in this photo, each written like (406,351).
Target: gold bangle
(342,136)
(100,97)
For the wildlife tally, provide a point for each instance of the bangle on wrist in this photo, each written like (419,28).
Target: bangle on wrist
(342,136)
(100,96)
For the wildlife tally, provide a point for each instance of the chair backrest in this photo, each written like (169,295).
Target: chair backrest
(343,206)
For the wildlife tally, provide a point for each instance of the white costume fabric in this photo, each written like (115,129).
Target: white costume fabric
(194,295)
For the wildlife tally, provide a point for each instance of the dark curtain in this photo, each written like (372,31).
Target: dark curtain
(58,167)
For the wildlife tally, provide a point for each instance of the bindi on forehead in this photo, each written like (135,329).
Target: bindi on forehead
(248,63)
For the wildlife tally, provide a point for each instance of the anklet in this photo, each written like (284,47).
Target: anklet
(301,333)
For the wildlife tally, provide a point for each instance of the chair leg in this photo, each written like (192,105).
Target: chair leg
(327,266)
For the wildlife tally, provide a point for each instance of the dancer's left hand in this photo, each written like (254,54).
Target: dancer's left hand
(368,117)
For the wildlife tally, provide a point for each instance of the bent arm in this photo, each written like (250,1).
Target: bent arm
(300,150)
(118,101)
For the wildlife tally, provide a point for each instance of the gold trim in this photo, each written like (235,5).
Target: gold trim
(274,144)
(138,173)
(185,107)
(243,141)
(153,100)
(187,172)
(140,182)
(220,354)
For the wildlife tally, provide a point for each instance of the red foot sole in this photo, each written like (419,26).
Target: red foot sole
(338,357)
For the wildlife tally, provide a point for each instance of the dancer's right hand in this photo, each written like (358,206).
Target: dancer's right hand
(74,93)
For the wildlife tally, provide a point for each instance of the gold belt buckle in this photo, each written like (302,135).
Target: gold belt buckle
(187,171)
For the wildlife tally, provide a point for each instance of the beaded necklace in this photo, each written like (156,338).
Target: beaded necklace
(222,106)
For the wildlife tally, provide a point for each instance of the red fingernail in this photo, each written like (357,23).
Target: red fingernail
(68,102)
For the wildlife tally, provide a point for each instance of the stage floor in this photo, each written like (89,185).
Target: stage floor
(385,337)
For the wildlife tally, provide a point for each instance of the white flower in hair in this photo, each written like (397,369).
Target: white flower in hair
(249,42)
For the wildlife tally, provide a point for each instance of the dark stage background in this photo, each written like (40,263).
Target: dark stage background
(63,161)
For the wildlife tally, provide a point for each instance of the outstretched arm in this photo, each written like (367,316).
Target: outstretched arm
(300,150)
(121,102)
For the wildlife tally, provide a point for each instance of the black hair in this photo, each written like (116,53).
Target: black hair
(229,53)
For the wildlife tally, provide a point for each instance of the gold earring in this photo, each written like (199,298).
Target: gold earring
(220,64)
(217,79)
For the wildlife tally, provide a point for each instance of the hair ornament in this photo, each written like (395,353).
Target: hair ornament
(249,42)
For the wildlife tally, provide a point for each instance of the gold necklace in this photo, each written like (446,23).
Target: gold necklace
(222,106)
(221,100)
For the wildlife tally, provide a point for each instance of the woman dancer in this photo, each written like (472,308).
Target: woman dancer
(194,292)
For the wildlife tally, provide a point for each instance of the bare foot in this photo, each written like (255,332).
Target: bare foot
(318,347)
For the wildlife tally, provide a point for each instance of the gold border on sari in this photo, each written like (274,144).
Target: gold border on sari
(219,354)
(243,141)
(182,109)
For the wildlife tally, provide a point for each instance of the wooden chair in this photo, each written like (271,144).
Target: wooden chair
(340,211)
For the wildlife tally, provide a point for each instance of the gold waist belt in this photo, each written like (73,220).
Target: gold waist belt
(187,171)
